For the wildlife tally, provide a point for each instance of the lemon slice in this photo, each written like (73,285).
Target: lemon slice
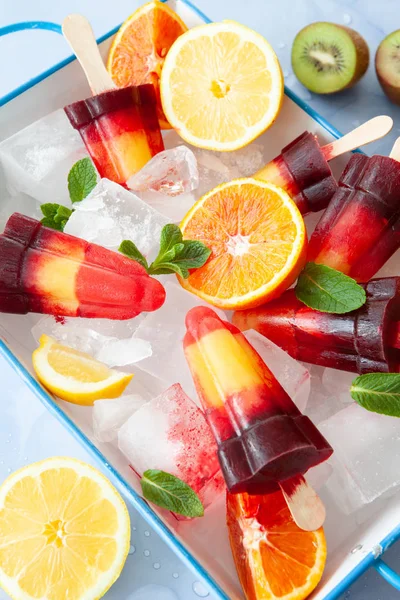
(221,85)
(75,376)
(64,532)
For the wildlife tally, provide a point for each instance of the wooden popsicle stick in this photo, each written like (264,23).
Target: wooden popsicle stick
(305,505)
(395,153)
(364,134)
(79,35)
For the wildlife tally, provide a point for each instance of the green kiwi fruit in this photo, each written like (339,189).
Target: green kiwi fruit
(328,58)
(387,65)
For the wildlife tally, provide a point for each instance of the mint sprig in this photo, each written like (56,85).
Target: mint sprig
(328,290)
(170,492)
(82,178)
(176,255)
(55,215)
(378,392)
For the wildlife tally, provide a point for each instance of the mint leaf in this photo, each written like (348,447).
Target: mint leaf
(49,222)
(49,209)
(82,178)
(194,255)
(166,268)
(170,492)
(132,251)
(170,236)
(328,290)
(378,392)
(56,216)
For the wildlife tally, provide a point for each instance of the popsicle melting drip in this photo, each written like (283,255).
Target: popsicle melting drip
(120,129)
(364,341)
(360,229)
(262,437)
(46,271)
(302,169)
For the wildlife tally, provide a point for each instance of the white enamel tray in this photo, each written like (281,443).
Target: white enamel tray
(202,544)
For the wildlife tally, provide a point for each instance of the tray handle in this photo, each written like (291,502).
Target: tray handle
(46,25)
(387,573)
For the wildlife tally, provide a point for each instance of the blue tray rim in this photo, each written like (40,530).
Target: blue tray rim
(137,501)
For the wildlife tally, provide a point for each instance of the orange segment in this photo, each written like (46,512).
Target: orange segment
(275,559)
(140,46)
(258,242)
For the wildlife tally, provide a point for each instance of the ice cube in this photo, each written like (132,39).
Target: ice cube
(325,398)
(217,167)
(171,434)
(165,330)
(21,203)
(37,159)
(110,415)
(172,208)
(86,335)
(111,214)
(292,375)
(171,172)
(366,456)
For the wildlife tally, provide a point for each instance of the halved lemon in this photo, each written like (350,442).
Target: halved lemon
(221,85)
(257,239)
(75,376)
(64,532)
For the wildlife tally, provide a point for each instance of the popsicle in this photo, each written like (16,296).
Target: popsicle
(364,341)
(46,271)
(303,170)
(118,126)
(360,229)
(263,439)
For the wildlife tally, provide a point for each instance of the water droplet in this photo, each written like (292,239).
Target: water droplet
(25,458)
(132,550)
(200,590)
(8,470)
(282,45)
(175,575)
(356,548)
(133,528)
(156,566)
(1,462)
(8,441)
(147,533)
(347,19)
(146,552)
(10,434)
(286,74)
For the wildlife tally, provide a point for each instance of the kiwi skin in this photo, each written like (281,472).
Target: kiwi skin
(362,50)
(382,55)
(362,55)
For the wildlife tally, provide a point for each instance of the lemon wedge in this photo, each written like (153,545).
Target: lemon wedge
(75,376)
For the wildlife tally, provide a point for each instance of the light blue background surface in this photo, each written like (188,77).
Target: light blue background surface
(156,572)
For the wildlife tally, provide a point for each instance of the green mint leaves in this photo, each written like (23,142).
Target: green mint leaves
(378,392)
(176,255)
(327,290)
(170,492)
(55,215)
(82,178)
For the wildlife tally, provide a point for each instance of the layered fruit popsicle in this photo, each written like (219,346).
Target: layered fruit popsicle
(360,229)
(120,129)
(46,271)
(302,169)
(262,437)
(364,341)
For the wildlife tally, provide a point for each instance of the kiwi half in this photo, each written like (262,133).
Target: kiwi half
(327,58)
(387,65)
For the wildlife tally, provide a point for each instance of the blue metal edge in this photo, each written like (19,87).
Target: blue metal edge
(139,504)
